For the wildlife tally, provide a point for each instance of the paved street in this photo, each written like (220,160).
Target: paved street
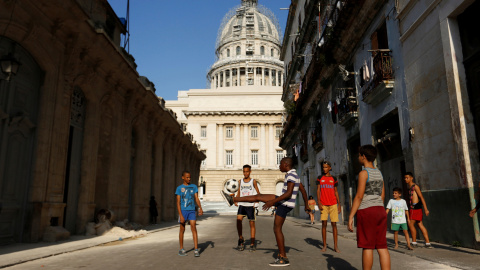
(217,238)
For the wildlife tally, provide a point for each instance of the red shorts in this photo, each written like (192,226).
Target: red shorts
(416,214)
(372,228)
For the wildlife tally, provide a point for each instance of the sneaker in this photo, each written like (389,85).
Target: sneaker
(182,252)
(196,253)
(241,244)
(428,245)
(280,262)
(414,245)
(227,198)
(253,247)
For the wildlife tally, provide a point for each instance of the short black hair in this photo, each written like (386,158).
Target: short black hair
(247,166)
(369,151)
(409,173)
(185,171)
(397,189)
(311,197)
(288,161)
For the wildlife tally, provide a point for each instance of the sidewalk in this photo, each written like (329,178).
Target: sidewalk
(24,252)
(459,257)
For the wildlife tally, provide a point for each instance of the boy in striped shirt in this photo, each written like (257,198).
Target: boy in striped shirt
(284,203)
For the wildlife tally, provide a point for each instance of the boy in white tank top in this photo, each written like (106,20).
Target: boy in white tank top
(248,187)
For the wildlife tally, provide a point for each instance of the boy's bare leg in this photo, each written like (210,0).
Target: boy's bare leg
(407,237)
(396,239)
(324,235)
(384,259)
(424,231)
(335,237)
(182,231)
(193,225)
(411,225)
(255,198)
(239,226)
(277,229)
(367,259)
(252,232)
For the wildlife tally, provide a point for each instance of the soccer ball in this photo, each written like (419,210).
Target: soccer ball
(231,186)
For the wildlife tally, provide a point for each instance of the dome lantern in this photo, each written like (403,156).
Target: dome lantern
(249,3)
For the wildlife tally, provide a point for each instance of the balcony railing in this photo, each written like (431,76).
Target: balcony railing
(381,84)
(348,110)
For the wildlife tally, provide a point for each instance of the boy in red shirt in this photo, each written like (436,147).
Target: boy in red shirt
(328,200)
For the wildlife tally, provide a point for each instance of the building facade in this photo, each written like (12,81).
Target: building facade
(238,119)
(393,77)
(80,130)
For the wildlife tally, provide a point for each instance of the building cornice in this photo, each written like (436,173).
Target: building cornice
(198,113)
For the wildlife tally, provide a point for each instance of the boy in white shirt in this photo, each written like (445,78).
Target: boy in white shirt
(399,211)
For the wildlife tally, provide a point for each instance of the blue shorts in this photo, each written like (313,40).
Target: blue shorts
(188,215)
(282,210)
(248,211)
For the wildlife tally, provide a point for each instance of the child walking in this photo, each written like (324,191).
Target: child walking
(368,206)
(187,196)
(399,212)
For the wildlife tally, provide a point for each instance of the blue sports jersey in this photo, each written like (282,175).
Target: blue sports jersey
(187,196)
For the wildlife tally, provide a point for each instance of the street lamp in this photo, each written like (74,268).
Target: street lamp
(9,65)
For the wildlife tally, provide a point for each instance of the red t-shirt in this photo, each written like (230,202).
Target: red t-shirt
(327,189)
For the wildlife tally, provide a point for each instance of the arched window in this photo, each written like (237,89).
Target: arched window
(262,50)
(228,52)
(238,50)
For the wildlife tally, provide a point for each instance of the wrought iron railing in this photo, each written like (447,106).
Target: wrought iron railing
(382,70)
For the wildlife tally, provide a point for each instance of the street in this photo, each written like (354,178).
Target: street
(217,242)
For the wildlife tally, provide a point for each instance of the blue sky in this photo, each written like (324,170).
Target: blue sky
(173,42)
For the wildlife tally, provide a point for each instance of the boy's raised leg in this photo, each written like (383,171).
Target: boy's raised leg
(255,198)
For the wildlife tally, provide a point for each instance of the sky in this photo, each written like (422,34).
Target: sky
(173,42)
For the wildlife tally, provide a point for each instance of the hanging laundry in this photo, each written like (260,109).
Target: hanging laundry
(300,88)
(366,71)
(329,106)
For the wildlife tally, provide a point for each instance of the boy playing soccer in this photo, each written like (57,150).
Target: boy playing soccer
(248,187)
(399,212)
(416,213)
(187,196)
(284,203)
(328,200)
(371,216)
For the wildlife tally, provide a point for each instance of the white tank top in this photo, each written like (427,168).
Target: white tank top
(247,189)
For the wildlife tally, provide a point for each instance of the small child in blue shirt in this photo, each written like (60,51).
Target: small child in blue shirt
(187,196)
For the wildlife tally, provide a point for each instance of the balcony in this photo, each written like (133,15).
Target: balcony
(382,82)
(348,111)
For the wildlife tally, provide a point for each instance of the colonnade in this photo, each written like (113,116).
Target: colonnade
(243,144)
(248,75)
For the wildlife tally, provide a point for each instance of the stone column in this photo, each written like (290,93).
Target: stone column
(263,147)
(263,76)
(254,76)
(231,77)
(271,146)
(220,161)
(169,183)
(238,139)
(224,75)
(158,168)
(238,76)
(245,144)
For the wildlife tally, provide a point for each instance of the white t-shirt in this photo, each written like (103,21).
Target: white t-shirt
(398,210)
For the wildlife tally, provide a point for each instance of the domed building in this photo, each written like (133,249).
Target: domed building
(237,120)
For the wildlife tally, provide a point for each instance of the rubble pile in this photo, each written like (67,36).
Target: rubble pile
(122,229)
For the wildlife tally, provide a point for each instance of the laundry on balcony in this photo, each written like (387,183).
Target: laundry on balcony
(381,83)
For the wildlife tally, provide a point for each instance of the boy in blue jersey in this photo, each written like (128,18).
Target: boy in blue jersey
(187,196)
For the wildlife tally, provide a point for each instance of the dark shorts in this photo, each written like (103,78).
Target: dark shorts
(246,211)
(372,228)
(282,210)
(188,215)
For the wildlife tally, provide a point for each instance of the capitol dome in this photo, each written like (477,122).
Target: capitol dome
(247,48)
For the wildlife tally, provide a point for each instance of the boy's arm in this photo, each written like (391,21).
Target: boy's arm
(182,220)
(387,210)
(304,195)
(338,201)
(197,201)
(362,182)
(383,192)
(407,215)
(238,194)
(256,186)
(286,195)
(419,193)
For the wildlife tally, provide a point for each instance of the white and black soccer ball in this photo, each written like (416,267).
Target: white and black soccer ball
(231,186)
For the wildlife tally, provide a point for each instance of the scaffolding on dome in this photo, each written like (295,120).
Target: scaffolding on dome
(238,10)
